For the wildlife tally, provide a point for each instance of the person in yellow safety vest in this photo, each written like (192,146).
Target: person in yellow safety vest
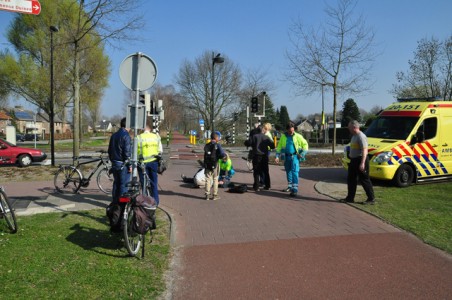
(292,148)
(149,146)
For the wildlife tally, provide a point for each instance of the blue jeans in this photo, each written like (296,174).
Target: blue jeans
(292,167)
(121,177)
(151,170)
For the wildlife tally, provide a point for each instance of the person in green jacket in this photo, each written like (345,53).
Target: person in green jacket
(226,170)
(292,148)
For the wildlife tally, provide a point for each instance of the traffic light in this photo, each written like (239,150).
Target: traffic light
(145,99)
(254,104)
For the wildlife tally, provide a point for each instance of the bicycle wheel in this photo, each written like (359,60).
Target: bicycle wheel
(105,181)
(132,239)
(7,212)
(67,180)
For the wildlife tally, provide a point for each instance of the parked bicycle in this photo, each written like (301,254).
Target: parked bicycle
(134,241)
(70,178)
(7,211)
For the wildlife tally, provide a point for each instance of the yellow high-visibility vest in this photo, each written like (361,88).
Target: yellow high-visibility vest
(148,145)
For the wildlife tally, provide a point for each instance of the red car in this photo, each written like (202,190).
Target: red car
(12,154)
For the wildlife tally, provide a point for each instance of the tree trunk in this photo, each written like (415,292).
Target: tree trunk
(76,119)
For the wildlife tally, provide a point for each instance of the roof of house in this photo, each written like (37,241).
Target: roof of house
(23,115)
(43,116)
(4,116)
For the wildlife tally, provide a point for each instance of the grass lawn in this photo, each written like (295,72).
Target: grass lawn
(73,255)
(425,210)
(62,146)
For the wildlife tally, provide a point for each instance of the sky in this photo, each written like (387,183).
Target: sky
(254,35)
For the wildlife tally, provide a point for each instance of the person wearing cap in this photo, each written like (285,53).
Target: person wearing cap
(292,148)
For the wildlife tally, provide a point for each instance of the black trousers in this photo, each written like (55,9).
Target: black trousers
(352,179)
(260,167)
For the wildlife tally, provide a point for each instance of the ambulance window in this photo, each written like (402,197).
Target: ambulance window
(430,127)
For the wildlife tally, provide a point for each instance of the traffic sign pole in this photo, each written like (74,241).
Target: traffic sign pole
(137,71)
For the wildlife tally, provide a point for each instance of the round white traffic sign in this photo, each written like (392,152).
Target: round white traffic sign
(138,72)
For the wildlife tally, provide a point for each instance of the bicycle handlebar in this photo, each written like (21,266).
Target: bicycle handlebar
(102,152)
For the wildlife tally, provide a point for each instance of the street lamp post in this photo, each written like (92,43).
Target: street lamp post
(52,113)
(215,60)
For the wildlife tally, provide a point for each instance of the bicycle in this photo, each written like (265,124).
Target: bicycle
(7,211)
(133,240)
(69,178)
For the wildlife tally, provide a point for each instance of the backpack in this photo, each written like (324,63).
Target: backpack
(143,214)
(114,214)
(210,156)
(239,189)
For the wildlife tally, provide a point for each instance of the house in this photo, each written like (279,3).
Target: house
(60,126)
(26,121)
(104,126)
(5,120)
(305,128)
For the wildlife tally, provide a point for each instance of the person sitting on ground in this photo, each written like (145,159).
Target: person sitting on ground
(226,170)
(198,180)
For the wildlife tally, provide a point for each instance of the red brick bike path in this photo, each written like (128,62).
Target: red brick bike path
(266,245)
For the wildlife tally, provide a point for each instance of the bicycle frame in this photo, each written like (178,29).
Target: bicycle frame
(148,183)
(102,162)
(72,177)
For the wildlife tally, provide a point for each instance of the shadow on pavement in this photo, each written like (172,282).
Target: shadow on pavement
(333,175)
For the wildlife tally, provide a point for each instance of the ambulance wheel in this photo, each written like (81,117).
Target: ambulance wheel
(404,176)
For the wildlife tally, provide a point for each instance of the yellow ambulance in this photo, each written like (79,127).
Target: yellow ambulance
(410,142)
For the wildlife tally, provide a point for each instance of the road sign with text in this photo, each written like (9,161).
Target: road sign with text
(21,6)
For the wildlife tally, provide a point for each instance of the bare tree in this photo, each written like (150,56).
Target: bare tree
(195,82)
(172,104)
(254,82)
(339,55)
(430,72)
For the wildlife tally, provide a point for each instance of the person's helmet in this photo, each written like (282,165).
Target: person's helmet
(219,134)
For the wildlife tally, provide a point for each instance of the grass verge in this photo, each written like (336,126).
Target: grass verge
(425,210)
(74,256)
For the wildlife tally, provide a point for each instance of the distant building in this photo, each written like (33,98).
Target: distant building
(305,126)
(27,121)
(5,120)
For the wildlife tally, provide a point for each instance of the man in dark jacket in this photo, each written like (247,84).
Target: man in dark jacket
(261,144)
(119,151)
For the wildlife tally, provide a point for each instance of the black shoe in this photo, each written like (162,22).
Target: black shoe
(293,194)
(266,188)
(369,202)
(346,200)
(286,189)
